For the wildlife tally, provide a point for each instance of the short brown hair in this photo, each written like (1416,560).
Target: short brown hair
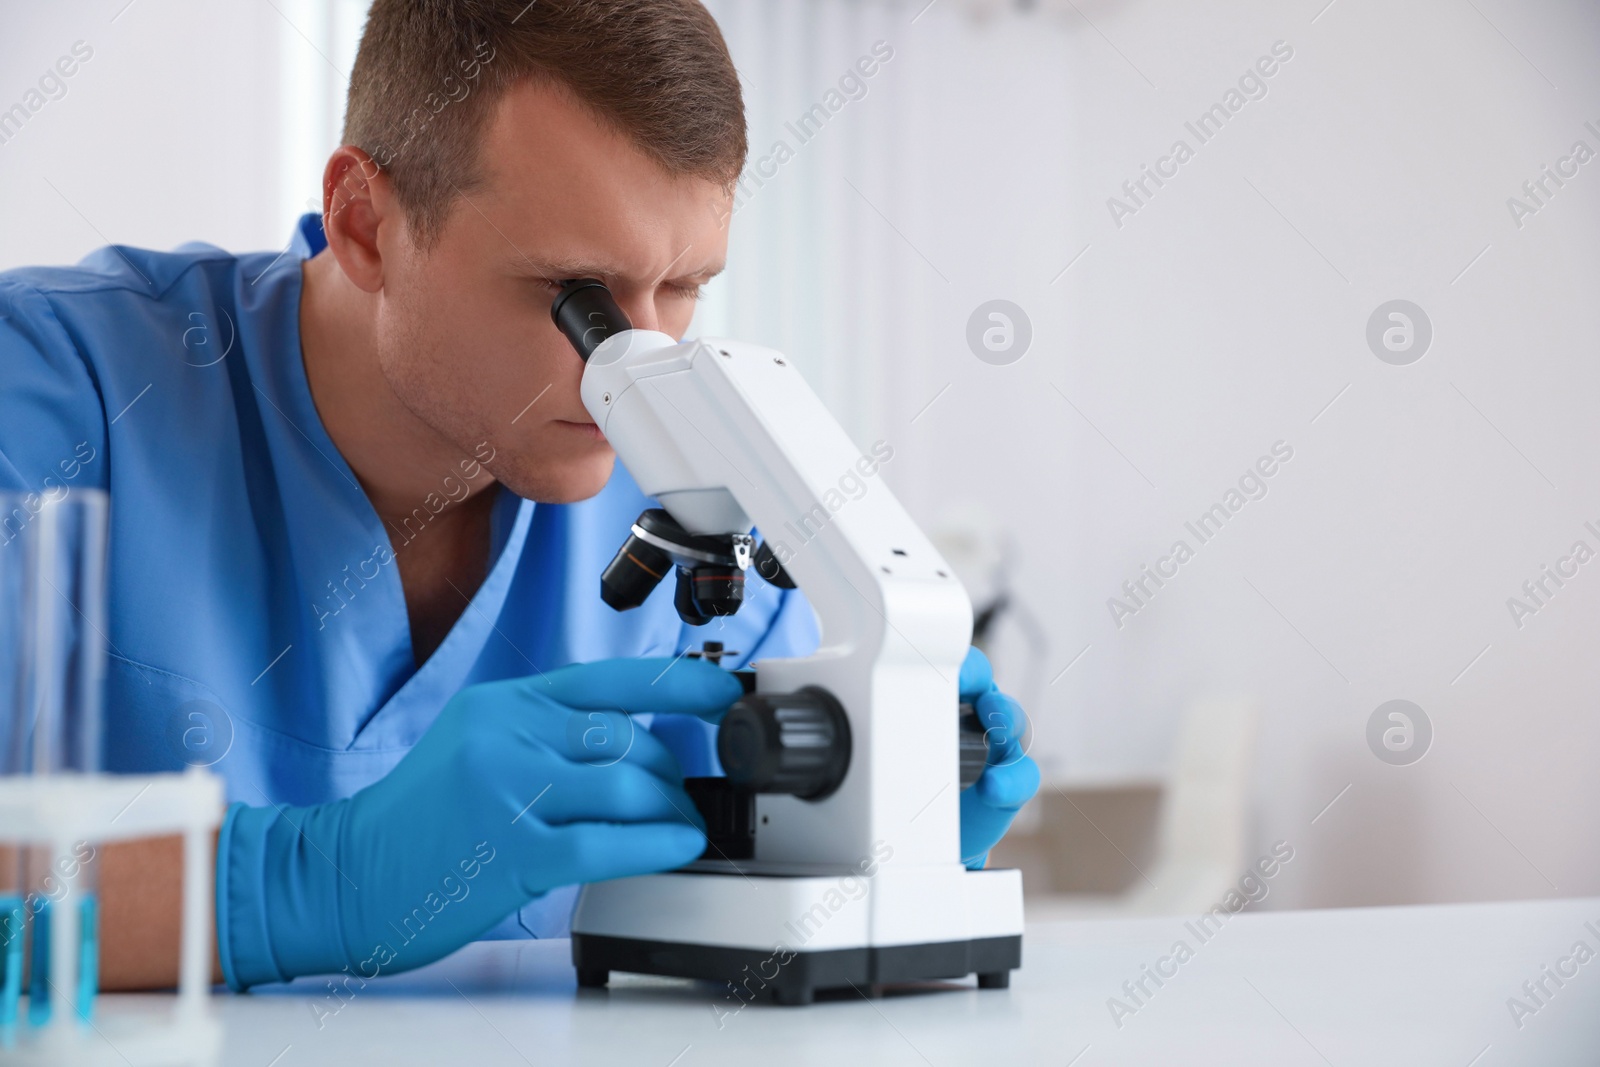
(429,72)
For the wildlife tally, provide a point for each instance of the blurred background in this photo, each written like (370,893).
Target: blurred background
(1371,269)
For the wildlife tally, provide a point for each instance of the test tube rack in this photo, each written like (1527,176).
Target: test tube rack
(57,811)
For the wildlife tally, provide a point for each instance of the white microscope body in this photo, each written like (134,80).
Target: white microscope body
(864,886)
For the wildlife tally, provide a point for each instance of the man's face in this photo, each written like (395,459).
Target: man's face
(464,335)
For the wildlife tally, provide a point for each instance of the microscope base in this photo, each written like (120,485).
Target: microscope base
(795,977)
(770,936)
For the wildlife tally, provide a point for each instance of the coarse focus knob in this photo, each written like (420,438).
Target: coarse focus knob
(974,746)
(796,743)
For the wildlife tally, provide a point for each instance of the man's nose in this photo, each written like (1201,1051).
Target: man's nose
(640,307)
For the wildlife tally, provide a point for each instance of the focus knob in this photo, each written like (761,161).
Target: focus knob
(974,746)
(795,743)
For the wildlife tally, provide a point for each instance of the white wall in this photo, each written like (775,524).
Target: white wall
(1225,316)
(1222,317)
(167,134)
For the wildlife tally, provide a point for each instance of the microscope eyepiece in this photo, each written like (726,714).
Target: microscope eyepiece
(585,311)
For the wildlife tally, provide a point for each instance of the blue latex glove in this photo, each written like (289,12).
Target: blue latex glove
(1011,777)
(518,787)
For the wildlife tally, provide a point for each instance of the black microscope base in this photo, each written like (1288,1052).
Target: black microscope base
(757,974)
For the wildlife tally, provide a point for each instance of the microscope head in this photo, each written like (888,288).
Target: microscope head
(710,567)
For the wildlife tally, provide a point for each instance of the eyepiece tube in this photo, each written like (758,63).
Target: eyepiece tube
(586,313)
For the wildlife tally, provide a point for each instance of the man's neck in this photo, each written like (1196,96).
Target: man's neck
(400,462)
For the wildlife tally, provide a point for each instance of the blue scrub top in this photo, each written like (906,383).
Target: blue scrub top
(257,621)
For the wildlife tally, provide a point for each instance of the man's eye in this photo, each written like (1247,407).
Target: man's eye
(687,292)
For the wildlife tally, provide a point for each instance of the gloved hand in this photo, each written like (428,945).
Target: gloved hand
(1009,780)
(518,787)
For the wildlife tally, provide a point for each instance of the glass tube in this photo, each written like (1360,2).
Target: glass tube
(17,611)
(52,685)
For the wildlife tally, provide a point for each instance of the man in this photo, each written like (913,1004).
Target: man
(359,511)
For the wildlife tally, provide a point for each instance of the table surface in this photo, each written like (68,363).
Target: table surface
(1412,986)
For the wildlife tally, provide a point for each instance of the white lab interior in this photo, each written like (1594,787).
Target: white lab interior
(1185,333)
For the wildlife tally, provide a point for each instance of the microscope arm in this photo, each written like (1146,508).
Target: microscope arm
(726,435)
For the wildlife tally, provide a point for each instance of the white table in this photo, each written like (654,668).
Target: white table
(1408,986)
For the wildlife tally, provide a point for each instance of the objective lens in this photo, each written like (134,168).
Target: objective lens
(683,600)
(633,574)
(716,590)
(767,565)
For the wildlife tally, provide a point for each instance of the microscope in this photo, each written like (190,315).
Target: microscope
(834,840)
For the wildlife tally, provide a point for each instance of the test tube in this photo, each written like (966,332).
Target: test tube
(52,660)
(16,731)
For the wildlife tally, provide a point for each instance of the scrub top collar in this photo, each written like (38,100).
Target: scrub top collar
(341,526)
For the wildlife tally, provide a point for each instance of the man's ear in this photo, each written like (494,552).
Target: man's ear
(357,202)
